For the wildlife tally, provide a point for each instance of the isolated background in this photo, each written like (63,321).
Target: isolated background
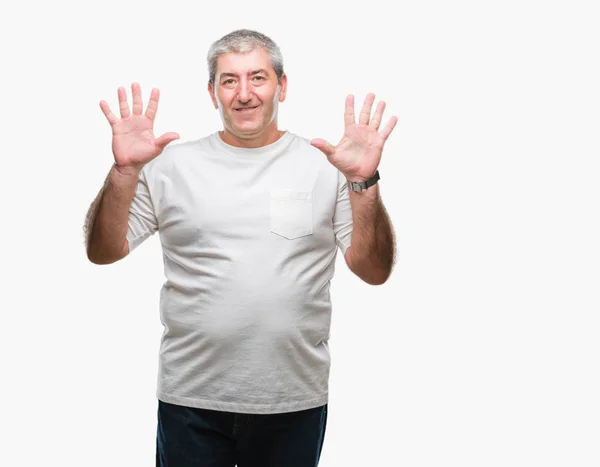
(481,350)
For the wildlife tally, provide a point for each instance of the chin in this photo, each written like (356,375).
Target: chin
(248,129)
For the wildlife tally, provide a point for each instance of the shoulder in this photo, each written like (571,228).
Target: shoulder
(311,158)
(176,153)
(309,152)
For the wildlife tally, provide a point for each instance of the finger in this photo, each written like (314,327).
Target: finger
(136,91)
(377,116)
(323,146)
(365,113)
(153,104)
(123,105)
(388,128)
(165,139)
(111,117)
(349,118)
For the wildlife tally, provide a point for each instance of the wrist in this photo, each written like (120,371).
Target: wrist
(358,177)
(362,184)
(127,172)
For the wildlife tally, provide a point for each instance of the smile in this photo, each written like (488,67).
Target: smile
(246,109)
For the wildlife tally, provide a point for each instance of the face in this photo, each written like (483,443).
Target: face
(247,93)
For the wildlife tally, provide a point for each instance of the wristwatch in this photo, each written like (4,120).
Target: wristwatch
(360,186)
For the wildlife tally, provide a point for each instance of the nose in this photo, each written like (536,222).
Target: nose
(244,91)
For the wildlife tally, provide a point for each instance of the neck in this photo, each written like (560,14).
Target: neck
(269,136)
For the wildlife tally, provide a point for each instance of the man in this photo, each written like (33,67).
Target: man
(249,219)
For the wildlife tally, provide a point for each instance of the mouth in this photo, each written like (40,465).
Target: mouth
(246,109)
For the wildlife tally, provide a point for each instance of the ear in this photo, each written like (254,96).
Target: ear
(212,95)
(283,88)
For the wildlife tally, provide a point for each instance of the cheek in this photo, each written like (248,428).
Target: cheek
(266,96)
(268,100)
(224,99)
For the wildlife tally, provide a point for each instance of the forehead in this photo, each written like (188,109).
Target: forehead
(243,63)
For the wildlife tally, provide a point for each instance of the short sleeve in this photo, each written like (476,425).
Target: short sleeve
(142,218)
(342,217)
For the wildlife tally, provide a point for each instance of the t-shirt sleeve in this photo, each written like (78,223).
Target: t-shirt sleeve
(142,218)
(342,217)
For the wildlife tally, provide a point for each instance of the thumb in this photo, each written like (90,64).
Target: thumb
(323,146)
(165,139)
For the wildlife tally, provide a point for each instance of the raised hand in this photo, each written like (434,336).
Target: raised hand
(358,153)
(133,142)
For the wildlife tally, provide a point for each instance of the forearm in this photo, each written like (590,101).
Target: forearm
(107,219)
(372,250)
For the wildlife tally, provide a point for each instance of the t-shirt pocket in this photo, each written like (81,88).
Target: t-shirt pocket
(291,213)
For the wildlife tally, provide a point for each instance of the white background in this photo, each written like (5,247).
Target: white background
(481,350)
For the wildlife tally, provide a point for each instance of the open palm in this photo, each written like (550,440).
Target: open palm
(133,142)
(358,153)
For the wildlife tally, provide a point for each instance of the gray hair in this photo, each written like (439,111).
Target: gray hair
(243,41)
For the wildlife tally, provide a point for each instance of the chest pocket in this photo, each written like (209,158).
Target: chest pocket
(291,213)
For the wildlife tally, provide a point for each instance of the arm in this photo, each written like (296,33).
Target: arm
(371,255)
(357,156)
(133,146)
(107,219)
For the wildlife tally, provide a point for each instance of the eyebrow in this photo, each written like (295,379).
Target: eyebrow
(235,75)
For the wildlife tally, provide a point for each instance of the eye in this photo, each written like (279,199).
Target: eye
(258,78)
(227,82)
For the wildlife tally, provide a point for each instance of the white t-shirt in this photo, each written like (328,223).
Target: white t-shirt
(249,240)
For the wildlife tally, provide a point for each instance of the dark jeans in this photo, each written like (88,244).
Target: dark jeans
(189,437)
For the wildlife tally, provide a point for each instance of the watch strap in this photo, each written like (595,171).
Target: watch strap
(361,186)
